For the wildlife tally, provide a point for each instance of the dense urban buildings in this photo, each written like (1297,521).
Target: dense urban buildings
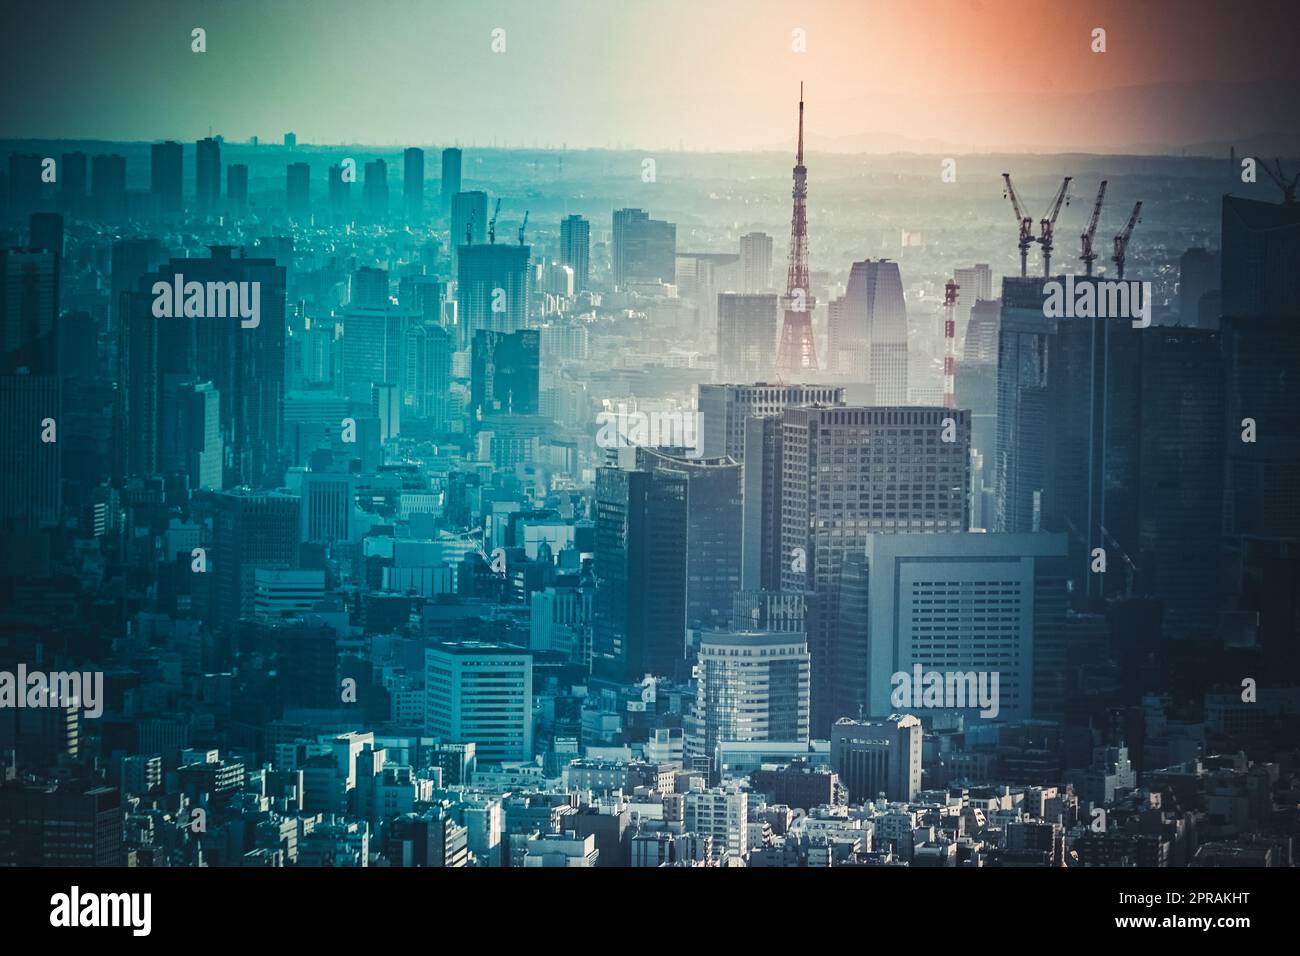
(525,503)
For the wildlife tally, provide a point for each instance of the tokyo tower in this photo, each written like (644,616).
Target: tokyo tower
(797,353)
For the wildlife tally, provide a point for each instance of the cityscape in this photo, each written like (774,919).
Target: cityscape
(428,467)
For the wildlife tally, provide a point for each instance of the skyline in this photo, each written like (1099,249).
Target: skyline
(938,75)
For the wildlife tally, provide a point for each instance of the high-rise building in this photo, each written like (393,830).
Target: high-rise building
(468,224)
(713,530)
(575,249)
(752,687)
(504,374)
(64,825)
(645,249)
(875,757)
(987,604)
(1260,249)
(244,363)
(748,326)
(481,694)
(190,435)
(166,174)
(492,287)
(340,195)
(376,190)
(450,184)
(868,331)
(846,473)
(369,288)
(413,184)
(725,409)
(639,625)
(755,262)
(237,187)
(428,372)
(250,530)
(1068,431)
(298,191)
(974,283)
(30,466)
(1182,466)
(373,352)
(207,175)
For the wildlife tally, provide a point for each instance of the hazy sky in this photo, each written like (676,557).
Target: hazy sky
(703,74)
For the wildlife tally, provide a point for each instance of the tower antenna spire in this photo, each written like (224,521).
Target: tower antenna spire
(797,353)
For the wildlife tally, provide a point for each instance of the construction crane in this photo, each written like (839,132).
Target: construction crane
(522,226)
(492,223)
(1288,188)
(1122,238)
(1047,224)
(1088,256)
(1026,222)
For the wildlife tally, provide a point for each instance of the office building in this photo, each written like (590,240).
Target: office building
(867,331)
(250,530)
(237,188)
(846,473)
(63,825)
(752,686)
(482,694)
(413,184)
(639,626)
(450,184)
(725,409)
(645,249)
(575,249)
(956,604)
(375,190)
(748,326)
(492,286)
(298,191)
(504,374)
(755,262)
(207,175)
(876,758)
(468,222)
(166,174)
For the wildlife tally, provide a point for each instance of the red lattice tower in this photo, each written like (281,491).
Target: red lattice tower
(949,345)
(797,353)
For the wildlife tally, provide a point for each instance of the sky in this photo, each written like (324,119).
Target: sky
(880,75)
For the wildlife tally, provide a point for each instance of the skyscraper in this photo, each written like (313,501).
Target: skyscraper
(639,624)
(755,262)
(847,472)
(868,331)
(725,409)
(575,249)
(250,530)
(166,171)
(450,185)
(207,175)
(504,374)
(713,530)
(376,190)
(491,289)
(645,249)
(340,195)
(748,326)
(752,687)
(875,757)
(468,223)
(108,185)
(413,184)
(298,191)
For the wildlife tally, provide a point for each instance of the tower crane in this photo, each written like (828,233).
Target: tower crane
(492,223)
(1122,238)
(1026,222)
(1088,256)
(522,226)
(1047,224)
(1287,187)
